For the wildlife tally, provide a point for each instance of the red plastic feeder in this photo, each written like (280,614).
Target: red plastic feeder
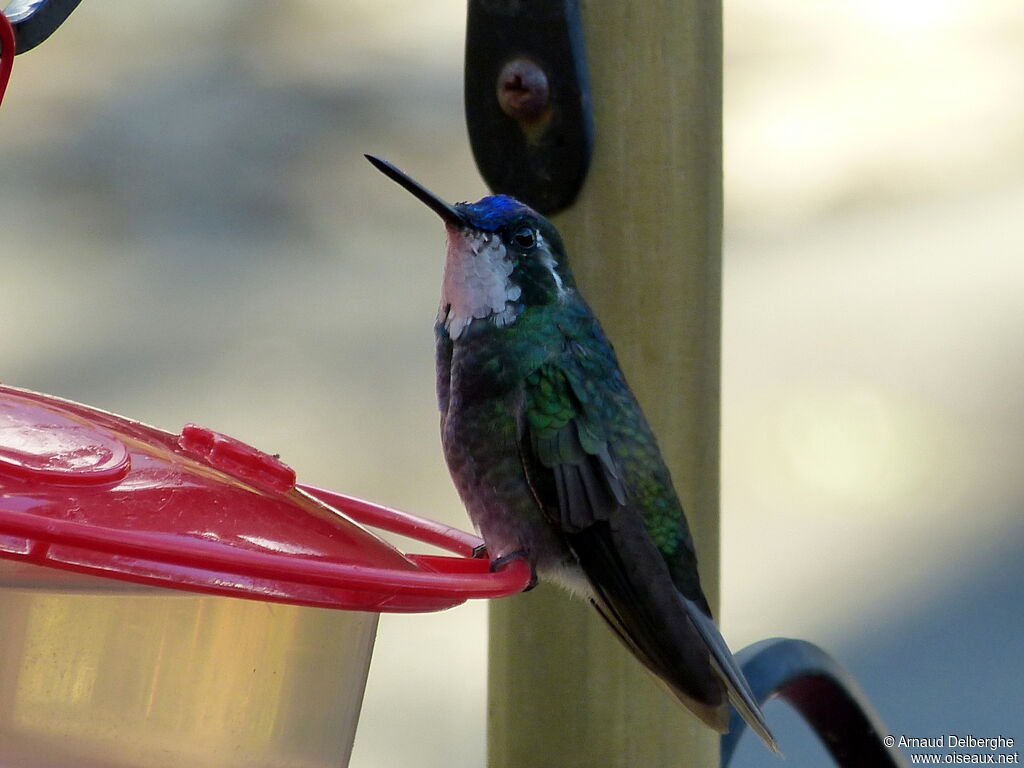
(96,670)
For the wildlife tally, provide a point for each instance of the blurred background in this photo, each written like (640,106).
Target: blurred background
(190,233)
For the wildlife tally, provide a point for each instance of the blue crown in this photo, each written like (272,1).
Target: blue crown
(492,213)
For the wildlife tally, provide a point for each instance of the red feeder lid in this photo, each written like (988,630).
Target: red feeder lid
(91,492)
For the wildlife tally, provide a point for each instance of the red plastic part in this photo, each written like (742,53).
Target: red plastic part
(86,491)
(402,523)
(40,445)
(235,457)
(7,50)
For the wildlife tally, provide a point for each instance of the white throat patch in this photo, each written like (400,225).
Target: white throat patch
(477,282)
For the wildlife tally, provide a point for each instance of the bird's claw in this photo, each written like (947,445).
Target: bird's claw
(502,560)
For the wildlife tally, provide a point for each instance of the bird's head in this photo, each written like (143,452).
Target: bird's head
(503,257)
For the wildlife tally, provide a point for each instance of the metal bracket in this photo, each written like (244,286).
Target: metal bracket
(528,99)
(35,20)
(823,692)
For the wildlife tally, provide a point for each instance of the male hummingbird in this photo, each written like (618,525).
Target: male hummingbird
(552,456)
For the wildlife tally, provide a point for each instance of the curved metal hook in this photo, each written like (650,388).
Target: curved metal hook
(36,20)
(824,693)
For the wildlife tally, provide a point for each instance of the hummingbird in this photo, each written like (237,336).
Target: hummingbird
(552,456)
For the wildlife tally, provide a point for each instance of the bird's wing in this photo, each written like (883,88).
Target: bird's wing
(581,488)
(443,366)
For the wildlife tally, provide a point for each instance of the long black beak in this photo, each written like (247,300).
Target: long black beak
(435,203)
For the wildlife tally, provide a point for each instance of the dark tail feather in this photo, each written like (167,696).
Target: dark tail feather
(740,695)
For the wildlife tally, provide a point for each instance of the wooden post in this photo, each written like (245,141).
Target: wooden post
(644,240)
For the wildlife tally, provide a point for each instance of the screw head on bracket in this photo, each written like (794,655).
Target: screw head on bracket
(522,90)
(527,99)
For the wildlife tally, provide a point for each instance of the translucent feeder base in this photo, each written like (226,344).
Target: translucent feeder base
(98,674)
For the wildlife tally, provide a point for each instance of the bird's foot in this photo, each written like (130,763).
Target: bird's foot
(520,554)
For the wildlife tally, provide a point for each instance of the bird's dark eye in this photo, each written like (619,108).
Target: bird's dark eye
(525,237)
